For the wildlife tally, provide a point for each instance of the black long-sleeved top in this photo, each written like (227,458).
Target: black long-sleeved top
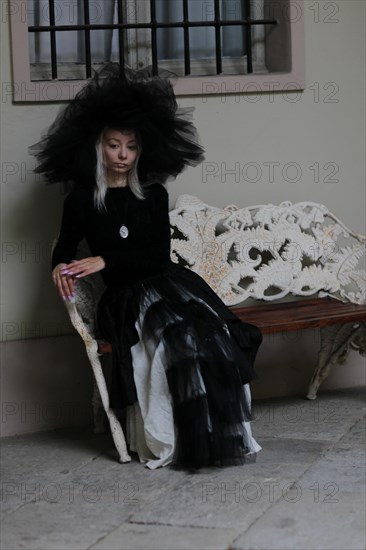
(144,252)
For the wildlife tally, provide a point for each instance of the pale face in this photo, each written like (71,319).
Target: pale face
(120,151)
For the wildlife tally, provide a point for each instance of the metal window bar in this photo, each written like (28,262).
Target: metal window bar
(185,24)
(121,38)
(51,6)
(154,43)
(218,37)
(187,51)
(249,38)
(87,40)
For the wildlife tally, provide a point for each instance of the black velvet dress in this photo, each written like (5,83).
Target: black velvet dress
(206,352)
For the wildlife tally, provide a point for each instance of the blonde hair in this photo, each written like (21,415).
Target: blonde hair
(101,177)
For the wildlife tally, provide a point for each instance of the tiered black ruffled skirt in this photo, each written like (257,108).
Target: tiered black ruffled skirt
(208,356)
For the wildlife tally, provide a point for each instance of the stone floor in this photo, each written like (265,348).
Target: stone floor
(66,490)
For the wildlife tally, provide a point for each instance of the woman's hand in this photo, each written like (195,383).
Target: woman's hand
(64,283)
(84,267)
(65,276)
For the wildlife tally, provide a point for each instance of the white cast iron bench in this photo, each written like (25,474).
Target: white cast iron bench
(261,254)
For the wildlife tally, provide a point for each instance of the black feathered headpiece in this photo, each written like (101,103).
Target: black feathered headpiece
(133,100)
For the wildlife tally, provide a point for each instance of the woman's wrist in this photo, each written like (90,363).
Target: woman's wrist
(57,268)
(103,261)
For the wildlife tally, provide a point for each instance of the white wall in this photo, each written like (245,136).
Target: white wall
(296,128)
(324,124)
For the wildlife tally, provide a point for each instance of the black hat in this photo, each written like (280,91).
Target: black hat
(126,99)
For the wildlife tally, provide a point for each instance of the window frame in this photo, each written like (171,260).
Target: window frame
(25,90)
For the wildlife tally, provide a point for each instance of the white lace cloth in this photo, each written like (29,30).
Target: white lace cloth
(150,425)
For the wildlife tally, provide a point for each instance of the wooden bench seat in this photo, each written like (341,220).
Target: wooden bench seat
(291,316)
(300,315)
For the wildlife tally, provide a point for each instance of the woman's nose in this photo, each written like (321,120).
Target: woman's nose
(122,153)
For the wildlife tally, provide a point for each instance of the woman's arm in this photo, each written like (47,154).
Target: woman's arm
(72,229)
(71,233)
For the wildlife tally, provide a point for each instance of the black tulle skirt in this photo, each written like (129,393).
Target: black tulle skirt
(174,322)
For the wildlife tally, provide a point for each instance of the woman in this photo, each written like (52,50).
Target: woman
(180,357)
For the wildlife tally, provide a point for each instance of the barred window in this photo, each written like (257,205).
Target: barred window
(65,40)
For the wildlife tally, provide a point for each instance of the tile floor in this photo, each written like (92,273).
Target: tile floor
(65,489)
